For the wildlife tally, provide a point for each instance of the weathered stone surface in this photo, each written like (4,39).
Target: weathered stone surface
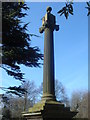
(48,108)
(48,26)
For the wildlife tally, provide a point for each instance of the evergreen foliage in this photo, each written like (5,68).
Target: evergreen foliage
(16,49)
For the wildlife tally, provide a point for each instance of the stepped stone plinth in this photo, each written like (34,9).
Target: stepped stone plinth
(49,110)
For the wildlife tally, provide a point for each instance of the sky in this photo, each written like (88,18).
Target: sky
(70,46)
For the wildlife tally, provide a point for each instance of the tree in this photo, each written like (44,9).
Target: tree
(16,48)
(1,106)
(6,113)
(79,102)
(32,94)
(13,108)
(61,93)
(16,105)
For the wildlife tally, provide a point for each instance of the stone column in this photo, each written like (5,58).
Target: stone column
(48,26)
(49,108)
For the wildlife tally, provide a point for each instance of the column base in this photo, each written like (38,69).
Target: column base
(49,110)
(48,97)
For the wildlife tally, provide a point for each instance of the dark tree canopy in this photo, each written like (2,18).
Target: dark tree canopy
(16,49)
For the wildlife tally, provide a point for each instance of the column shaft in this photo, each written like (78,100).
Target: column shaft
(48,75)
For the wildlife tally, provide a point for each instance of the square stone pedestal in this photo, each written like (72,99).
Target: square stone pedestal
(49,110)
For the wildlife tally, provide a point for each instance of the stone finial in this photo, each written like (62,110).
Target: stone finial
(49,9)
(48,21)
